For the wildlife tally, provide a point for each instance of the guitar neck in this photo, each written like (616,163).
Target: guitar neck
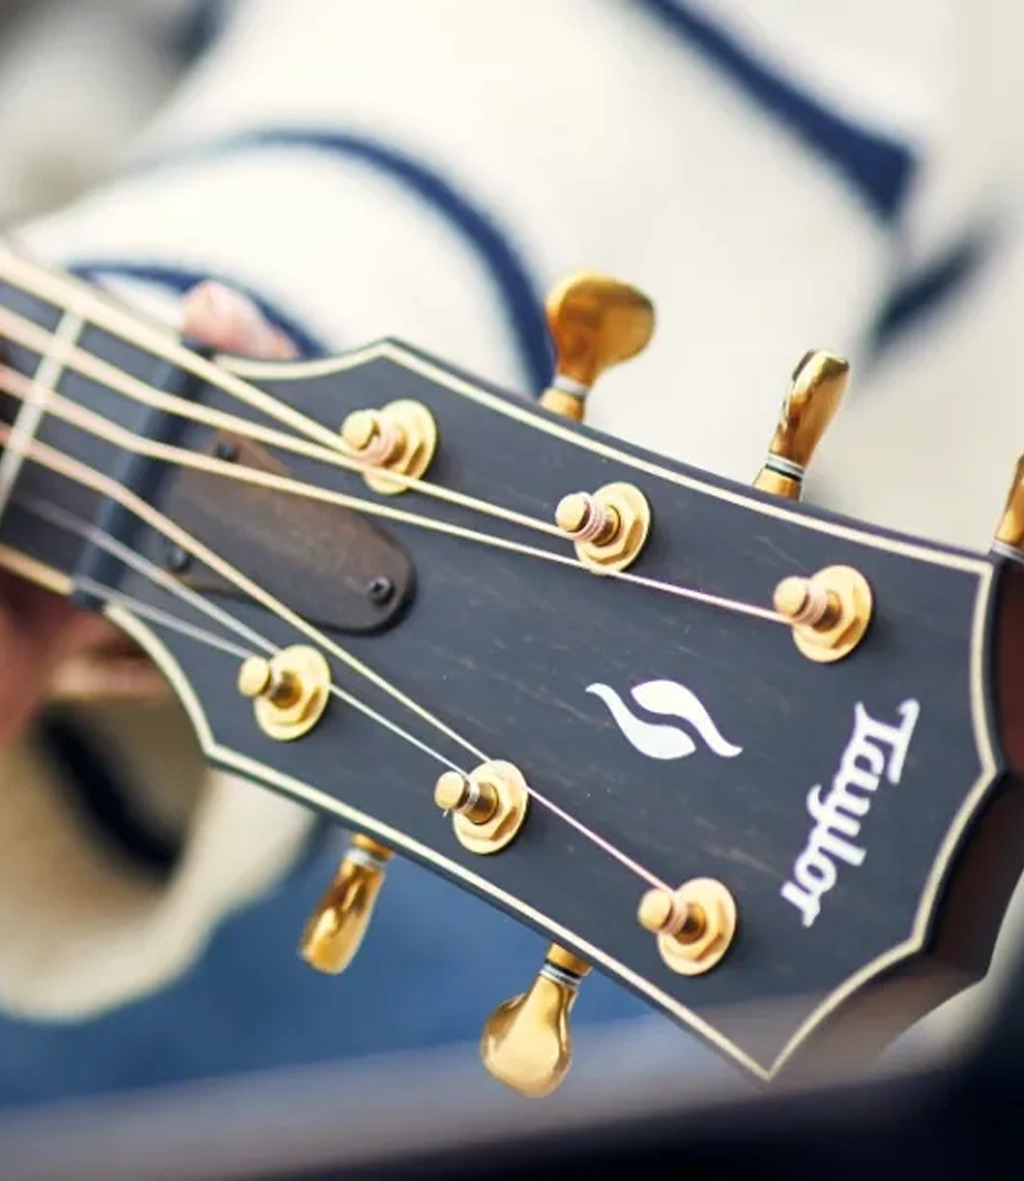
(72,363)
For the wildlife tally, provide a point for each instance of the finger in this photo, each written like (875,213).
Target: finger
(36,628)
(225,319)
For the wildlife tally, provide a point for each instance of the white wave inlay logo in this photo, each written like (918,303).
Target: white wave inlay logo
(658,740)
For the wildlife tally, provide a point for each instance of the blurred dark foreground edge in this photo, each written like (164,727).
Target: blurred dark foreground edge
(647,1106)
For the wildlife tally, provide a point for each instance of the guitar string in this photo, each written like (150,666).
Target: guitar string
(23,332)
(42,454)
(88,303)
(104,313)
(109,595)
(82,474)
(100,310)
(55,515)
(17,385)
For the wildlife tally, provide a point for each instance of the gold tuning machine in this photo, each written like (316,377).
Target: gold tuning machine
(595,322)
(828,612)
(608,528)
(1009,538)
(289,692)
(818,384)
(398,439)
(526,1042)
(695,924)
(336,927)
(488,806)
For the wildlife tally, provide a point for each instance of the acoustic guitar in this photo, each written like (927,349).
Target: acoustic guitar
(753,760)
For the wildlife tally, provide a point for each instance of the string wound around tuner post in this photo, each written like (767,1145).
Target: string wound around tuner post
(289,691)
(487,807)
(695,924)
(829,612)
(398,440)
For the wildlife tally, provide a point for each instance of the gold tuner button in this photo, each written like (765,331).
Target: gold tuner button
(818,384)
(526,1043)
(595,322)
(695,924)
(336,927)
(829,612)
(259,678)
(1009,538)
(609,527)
(488,806)
(396,443)
(289,692)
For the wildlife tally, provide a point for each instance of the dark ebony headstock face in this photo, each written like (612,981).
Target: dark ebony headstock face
(667,724)
(830,799)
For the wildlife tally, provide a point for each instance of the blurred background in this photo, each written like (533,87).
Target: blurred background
(80,79)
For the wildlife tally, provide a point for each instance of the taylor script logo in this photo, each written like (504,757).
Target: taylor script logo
(875,749)
(661,740)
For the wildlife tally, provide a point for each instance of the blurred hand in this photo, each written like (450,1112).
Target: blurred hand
(50,648)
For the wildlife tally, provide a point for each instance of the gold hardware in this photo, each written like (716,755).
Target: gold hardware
(489,806)
(336,927)
(578,512)
(526,1043)
(819,382)
(1009,537)
(476,801)
(695,924)
(289,691)
(400,437)
(608,527)
(829,612)
(595,322)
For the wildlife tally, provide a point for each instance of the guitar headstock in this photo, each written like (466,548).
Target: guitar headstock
(747,757)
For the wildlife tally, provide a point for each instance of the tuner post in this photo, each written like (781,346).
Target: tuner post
(289,691)
(399,439)
(608,528)
(595,322)
(818,384)
(488,806)
(526,1042)
(828,612)
(694,924)
(335,930)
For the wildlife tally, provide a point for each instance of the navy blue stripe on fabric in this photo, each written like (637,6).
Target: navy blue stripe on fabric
(878,167)
(182,279)
(920,294)
(517,291)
